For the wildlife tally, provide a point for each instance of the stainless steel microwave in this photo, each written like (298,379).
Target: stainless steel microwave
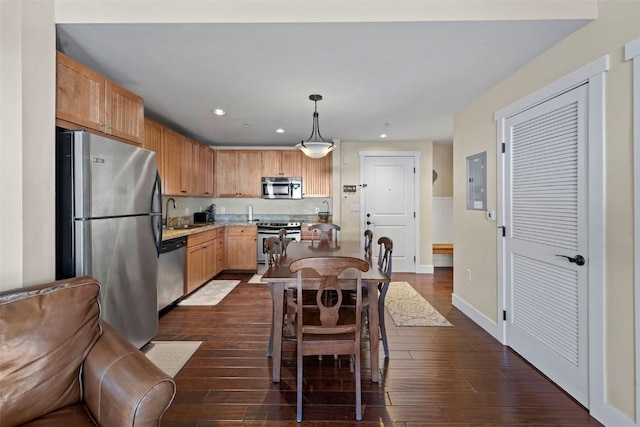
(281,188)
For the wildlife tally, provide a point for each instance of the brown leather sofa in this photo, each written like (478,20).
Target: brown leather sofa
(60,365)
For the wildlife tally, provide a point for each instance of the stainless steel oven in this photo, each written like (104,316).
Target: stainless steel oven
(271,229)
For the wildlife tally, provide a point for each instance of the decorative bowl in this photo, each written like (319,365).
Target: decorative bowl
(324,216)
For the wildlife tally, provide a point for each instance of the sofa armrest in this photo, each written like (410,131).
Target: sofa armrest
(121,387)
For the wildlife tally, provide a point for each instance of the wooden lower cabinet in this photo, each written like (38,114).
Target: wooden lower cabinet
(241,248)
(204,251)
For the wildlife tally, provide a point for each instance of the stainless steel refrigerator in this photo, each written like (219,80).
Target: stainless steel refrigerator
(109,225)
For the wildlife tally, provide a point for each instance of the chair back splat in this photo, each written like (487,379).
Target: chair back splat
(330,327)
(368,242)
(273,249)
(385,262)
(324,230)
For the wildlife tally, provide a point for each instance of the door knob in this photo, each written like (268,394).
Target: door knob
(578,259)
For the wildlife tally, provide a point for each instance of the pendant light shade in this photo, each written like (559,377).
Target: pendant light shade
(315,146)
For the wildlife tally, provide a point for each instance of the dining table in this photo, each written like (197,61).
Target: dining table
(279,278)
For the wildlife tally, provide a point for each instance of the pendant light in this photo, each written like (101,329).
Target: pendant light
(316,146)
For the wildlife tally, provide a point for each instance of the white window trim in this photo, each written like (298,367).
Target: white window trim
(632,53)
(594,74)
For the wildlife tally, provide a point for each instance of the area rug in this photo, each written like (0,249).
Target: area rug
(210,293)
(171,356)
(408,308)
(256,279)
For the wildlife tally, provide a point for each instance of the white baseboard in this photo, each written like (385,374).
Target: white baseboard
(483,321)
(442,260)
(424,269)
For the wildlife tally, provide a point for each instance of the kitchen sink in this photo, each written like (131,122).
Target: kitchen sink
(185,226)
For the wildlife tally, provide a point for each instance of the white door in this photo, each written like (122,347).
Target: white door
(546,239)
(389,206)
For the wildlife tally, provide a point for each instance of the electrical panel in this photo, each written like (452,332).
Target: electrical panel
(477,181)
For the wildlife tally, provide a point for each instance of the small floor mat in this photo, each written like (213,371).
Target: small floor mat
(210,293)
(171,356)
(408,308)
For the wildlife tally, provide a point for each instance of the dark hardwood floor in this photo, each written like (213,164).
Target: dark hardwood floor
(436,376)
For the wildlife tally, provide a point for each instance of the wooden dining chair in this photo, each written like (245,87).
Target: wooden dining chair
(368,242)
(329,329)
(272,247)
(385,258)
(275,249)
(324,230)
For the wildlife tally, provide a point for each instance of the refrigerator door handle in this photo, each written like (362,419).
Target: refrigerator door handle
(156,219)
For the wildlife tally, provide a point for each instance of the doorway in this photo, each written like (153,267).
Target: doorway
(550,261)
(390,204)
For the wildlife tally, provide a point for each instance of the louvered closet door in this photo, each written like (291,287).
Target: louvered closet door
(546,216)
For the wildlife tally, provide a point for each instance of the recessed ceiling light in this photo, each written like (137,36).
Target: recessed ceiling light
(383,135)
(219,112)
(279,130)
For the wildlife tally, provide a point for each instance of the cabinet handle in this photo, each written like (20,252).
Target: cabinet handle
(101,124)
(108,126)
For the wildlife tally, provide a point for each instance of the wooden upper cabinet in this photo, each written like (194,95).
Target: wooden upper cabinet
(124,113)
(281,163)
(238,173)
(189,169)
(172,166)
(248,173)
(204,178)
(317,176)
(89,100)
(152,141)
(226,173)
(207,173)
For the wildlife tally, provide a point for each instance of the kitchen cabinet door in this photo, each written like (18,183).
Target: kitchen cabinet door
(172,158)
(225,170)
(248,173)
(241,248)
(80,94)
(317,176)
(189,166)
(238,173)
(271,163)
(204,180)
(291,163)
(124,113)
(281,163)
(195,262)
(152,140)
(89,100)
(209,257)
(220,249)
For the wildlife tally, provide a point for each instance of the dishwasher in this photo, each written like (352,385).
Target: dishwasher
(171,271)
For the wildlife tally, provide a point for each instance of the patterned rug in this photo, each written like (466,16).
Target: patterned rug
(408,308)
(171,356)
(211,293)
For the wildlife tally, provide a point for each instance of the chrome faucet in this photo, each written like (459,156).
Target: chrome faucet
(168,219)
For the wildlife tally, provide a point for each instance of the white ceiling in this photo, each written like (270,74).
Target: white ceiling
(405,79)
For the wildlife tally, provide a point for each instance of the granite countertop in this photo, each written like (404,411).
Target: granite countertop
(181,232)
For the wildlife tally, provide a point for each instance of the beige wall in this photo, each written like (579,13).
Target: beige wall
(443,165)
(475,237)
(27,111)
(350,175)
